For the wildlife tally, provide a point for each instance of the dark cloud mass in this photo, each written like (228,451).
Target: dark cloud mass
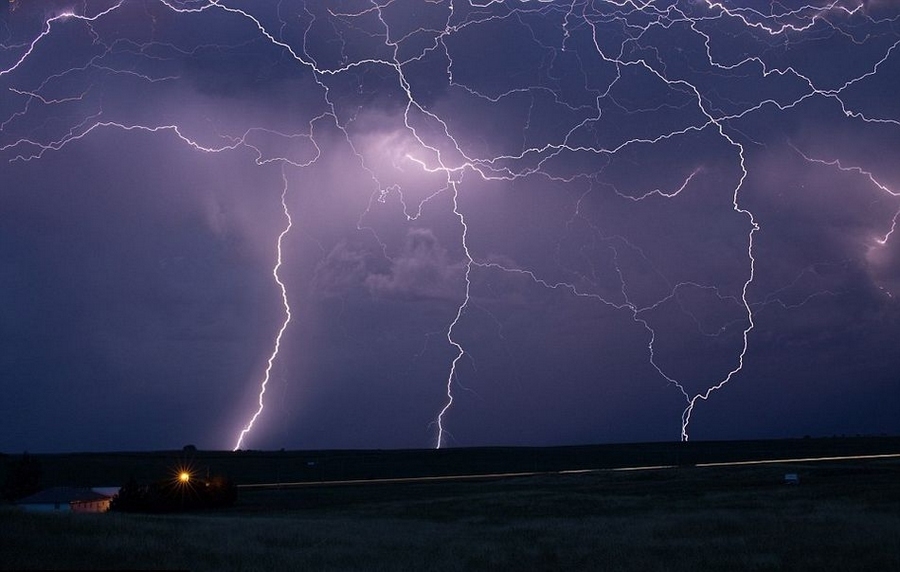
(582,221)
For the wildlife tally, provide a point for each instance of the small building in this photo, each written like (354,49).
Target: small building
(67,499)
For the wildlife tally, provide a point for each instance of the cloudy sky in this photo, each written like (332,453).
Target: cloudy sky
(498,222)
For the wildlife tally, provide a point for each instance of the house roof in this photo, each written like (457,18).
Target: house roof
(63,495)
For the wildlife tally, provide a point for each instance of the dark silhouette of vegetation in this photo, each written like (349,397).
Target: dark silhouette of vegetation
(23,478)
(183,493)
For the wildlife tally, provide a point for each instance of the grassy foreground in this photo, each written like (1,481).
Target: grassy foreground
(843,516)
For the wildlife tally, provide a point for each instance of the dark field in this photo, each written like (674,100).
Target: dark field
(844,515)
(249,467)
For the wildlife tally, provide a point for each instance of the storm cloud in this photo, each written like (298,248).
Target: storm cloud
(586,222)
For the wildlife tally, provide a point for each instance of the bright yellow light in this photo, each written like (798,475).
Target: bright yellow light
(184,476)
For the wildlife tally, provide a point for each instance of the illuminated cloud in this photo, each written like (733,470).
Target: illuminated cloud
(513,222)
(421,270)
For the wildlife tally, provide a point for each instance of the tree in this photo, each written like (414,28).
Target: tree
(178,495)
(132,497)
(23,478)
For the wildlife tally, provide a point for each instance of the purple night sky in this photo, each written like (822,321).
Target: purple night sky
(511,222)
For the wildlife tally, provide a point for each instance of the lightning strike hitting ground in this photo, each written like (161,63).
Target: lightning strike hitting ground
(460,352)
(287,316)
(643,142)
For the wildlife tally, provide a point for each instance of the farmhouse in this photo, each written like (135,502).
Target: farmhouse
(66,499)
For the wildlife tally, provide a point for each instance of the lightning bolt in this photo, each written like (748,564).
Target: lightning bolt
(287,316)
(460,351)
(621,36)
(836,163)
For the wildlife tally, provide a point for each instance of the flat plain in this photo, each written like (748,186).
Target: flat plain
(843,515)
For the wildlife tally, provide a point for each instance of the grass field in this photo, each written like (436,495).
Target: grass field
(842,516)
